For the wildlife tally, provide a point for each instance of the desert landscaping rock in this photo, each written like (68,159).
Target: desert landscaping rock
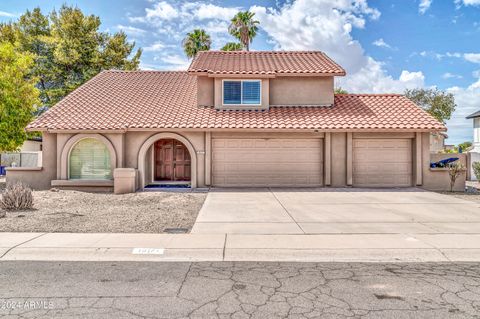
(74,211)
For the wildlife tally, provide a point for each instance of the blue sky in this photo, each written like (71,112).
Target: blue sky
(385,46)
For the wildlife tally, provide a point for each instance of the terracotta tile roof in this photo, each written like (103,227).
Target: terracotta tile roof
(115,100)
(265,62)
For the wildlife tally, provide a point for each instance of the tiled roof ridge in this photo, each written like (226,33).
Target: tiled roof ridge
(263,52)
(369,94)
(265,62)
(143,71)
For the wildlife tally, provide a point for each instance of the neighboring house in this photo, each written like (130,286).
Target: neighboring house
(437,142)
(28,155)
(32,144)
(474,153)
(249,119)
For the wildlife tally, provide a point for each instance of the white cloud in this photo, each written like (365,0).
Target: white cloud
(6,14)
(157,46)
(472,57)
(170,21)
(210,11)
(381,43)
(467,103)
(174,61)
(162,10)
(468,2)
(424,6)
(449,75)
(327,25)
(131,31)
(453,55)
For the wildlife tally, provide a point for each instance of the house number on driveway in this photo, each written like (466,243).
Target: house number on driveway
(148,251)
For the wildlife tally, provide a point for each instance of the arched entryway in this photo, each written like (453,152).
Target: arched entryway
(167,157)
(172,162)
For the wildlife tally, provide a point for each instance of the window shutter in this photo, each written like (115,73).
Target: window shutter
(251,92)
(232,92)
(90,159)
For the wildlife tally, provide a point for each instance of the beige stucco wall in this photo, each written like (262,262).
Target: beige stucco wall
(287,90)
(31,146)
(293,90)
(438,179)
(265,94)
(38,178)
(127,147)
(437,142)
(205,91)
(339,160)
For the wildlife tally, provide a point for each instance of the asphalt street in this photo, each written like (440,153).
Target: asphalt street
(238,290)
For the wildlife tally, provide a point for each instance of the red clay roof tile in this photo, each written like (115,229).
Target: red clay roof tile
(117,100)
(265,62)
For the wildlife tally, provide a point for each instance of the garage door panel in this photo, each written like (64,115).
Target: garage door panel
(383,155)
(267,162)
(382,143)
(267,155)
(382,162)
(258,168)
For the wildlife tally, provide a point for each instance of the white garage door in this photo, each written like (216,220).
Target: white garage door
(382,162)
(267,162)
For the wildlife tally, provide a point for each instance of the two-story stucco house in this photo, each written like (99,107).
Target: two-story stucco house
(232,119)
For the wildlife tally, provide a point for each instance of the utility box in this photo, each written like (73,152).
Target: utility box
(124,180)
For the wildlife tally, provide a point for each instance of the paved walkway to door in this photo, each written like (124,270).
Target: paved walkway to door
(336,211)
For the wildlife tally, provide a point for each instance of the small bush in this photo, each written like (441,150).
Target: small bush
(476,169)
(16,196)
(454,171)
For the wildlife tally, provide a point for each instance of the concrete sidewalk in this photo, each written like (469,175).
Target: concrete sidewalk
(221,247)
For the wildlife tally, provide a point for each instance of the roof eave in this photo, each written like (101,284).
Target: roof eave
(473,115)
(264,75)
(290,129)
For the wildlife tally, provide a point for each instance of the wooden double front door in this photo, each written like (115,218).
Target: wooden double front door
(172,161)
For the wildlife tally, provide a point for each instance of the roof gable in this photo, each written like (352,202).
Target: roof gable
(265,63)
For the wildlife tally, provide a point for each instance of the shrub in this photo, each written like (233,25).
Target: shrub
(476,169)
(17,196)
(454,171)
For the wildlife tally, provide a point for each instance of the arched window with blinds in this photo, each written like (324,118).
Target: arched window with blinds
(90,159)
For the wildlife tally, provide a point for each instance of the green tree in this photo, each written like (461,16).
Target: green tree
(244,28)
(340,90)
(196,41)
(18,96)
(437,103)
(464,145)
(232,46)
(68,49)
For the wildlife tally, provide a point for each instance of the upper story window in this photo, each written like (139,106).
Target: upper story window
(242,92)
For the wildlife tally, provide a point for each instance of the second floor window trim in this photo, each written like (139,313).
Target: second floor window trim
(242,102)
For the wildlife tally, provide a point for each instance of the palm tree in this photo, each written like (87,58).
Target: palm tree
(196,41)
(244,28)
(232,46)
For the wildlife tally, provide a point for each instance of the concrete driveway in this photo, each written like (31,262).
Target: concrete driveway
(336,211)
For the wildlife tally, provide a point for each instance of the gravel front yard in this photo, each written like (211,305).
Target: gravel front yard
(73,211)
